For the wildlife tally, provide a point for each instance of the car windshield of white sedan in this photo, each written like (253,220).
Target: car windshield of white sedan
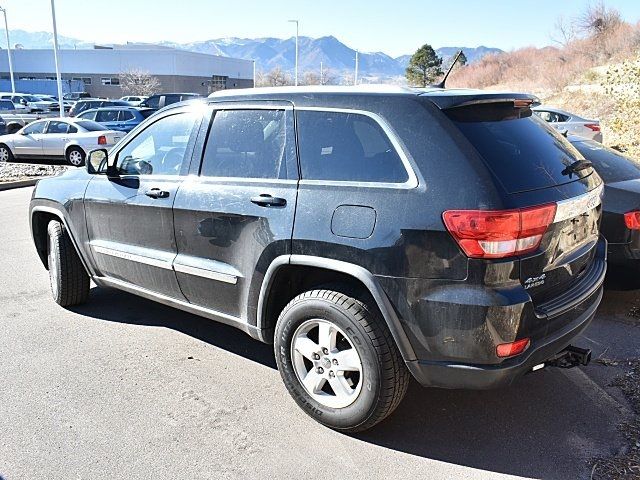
(91,126)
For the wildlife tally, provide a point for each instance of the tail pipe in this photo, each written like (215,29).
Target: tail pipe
(570,357)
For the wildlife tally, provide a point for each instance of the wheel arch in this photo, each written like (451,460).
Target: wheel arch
(39,217)
(71,145)
(277,290)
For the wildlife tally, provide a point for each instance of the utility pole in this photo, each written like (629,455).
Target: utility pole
(321,75)
(355,77)
(297,33)
(6,31)
(55,56)
(254,74)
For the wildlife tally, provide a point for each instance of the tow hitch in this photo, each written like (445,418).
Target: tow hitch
(568,358)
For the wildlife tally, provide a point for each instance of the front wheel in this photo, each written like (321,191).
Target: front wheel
(75,156)
(69,280)
(338,360)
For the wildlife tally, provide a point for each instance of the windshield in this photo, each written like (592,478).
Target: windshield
(610,164)
(519,148)
(31,98)
(91,126)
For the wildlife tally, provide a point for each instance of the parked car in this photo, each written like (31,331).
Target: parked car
(573,124)
(162,100)
(134,100)
(352,246)
(30,103)
(621,206)
(123,119)
(75,96)
(57,138)
(54,105)
(82,105)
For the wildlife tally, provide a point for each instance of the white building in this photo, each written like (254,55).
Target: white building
(99,68)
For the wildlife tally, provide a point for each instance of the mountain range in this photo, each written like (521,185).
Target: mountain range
(269,53)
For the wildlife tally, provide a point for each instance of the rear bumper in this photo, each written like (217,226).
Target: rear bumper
(566,317)
(621,253)
(481,377)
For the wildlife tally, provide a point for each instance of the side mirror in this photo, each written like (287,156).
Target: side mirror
(96,161)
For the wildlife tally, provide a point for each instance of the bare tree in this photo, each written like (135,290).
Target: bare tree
(138,82)
(274,78)
(598,20)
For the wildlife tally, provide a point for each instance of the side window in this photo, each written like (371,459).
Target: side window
(246,144)
(107,116)
(341,146)
(169,99)
(153,102)
(125,115)
(88,115)
(58,127)
(72,129)
(35,127)
(159,149)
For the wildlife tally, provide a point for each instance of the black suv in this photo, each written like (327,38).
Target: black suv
(371,235)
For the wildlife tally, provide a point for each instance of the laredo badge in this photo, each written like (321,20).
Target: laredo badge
(534,281)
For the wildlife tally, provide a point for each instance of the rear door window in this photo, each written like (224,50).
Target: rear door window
(125,115)
(341,146)
(153,102)
(107,116)
(246,144)
(520,149)
(169,99)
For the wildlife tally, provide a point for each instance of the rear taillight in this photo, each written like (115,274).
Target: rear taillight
(499,233)
(102,140)
(514,348)
(632,220)
(593,126)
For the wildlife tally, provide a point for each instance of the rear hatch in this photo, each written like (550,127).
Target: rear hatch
(536,166)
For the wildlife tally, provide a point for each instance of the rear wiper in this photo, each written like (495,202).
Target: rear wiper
(575,167)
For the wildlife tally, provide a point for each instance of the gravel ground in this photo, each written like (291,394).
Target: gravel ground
(11,172)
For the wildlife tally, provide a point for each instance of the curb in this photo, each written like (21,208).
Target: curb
(18,184)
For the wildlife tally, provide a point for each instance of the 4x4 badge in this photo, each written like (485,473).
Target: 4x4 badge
(534,281)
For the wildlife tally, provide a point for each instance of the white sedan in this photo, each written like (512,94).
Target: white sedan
(568,122)
(57,138)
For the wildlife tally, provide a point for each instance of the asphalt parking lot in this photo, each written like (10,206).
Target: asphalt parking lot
(125,388)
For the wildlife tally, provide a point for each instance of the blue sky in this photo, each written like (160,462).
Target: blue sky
(394,27)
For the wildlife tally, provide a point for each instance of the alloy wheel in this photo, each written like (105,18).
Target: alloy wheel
(75,158)
(326,363)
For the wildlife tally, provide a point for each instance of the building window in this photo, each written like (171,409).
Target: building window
(85,80)
(27,78)
(110,81)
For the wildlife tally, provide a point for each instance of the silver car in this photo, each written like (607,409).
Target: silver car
(569,122)
(57,138)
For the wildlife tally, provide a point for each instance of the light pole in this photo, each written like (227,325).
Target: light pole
(355,76)
(55,56)
(6,30)
(297,33)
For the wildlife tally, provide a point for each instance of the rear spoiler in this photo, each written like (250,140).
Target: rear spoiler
(448,100)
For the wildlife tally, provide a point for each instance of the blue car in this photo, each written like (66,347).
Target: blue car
(123,119)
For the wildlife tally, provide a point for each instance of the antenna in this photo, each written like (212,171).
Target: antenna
(446,75)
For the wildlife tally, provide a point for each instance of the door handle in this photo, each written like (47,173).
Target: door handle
(157,193)
(266,200)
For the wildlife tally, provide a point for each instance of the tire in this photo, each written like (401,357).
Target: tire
(366,396)
(5,153)
(68,278)
(75,156)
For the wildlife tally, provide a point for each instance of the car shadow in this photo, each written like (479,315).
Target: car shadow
(545,426)
(121,307)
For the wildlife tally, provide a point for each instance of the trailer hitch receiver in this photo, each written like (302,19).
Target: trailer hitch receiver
(570,357)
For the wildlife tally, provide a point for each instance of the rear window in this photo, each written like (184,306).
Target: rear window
(612,166)
(519,148)
(91,126)
(340,146)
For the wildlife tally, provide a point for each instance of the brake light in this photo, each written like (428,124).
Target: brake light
(499,233)
(593,126)
(632,220)
(102,140)
(514,348)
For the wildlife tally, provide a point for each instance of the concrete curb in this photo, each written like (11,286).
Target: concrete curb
(18,184)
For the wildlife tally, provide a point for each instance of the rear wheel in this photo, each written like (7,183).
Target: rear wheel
(75,156)
(5,154)
(338,360)
(68,278)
